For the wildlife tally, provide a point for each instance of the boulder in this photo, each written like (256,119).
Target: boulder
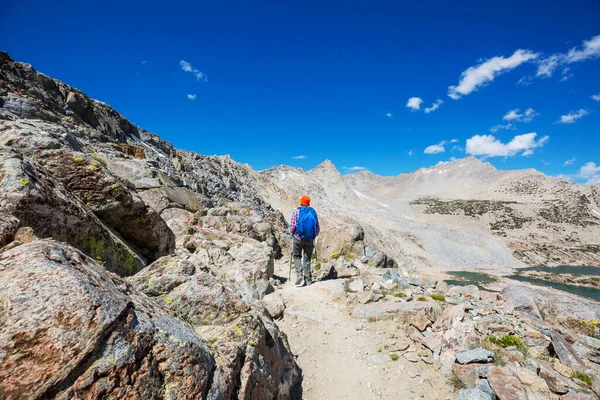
(466,373)
(248,344)
(554,381)
(449,317)
(111,200)
(274,305)
(67,328)
(356,285)
(473,394)
(565,352)
(478,355)
(33,196)
(506,386)
(433,343)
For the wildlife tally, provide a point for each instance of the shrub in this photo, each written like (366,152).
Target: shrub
(318,266)
(582,376)
(335,255)
(78,159)
(212,340)
(394,357)
(399,294)
(379,350)
(438,297)
(421,298)
(101,161)
(508,341)
(114,186)
(24,181)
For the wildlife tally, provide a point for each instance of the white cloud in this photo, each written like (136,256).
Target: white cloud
(589,49)
(515,115)
(525,81)
(454,141)
(191,96)
(410,152)
(571,161)
(354,168)
(187,67)
(389,115)
(498,127)
(545,162)
(596,97)
(589,170)
(434,106)
(572,116)
(475,77)
(435,148)
(414,103)
(547,66)
(489,146)
(144,62)
(457,148)
(299,157)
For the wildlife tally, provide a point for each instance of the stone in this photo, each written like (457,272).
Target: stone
(596,385)
(565,351)
(554,381)
(8,228)
(38,200)
(83,326)
(274,305)
(375,286)
(478,355)
(432,343)
(450,316)
(419,320)
(356,285)
(366,297)
(562,369)
(473,394)
(411,356)
(506,386)
(391,277)
(578,396)
(466,373)
(467,291)
(484,371)
(484,386)
(414,334)
(535,386)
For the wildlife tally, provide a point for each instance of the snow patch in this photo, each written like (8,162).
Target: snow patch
(595,212)
(408,218)
(360,194)
(384,205)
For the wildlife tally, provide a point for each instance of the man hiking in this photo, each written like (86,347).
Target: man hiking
(304,228)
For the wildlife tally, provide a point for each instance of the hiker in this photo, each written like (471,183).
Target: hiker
(304,228)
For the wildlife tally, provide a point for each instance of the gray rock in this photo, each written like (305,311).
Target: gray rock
(478,355)
(484,371)
(356,285)
(274,305)
(473,394)
(565,352)
(484,386)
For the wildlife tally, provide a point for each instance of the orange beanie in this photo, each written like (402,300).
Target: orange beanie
(305,201)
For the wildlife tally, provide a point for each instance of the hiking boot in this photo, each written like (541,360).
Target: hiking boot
(308,282)
(299,282)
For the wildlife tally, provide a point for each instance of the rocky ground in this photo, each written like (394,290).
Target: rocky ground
(413,337)
(131,269)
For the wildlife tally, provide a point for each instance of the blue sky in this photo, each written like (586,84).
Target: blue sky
(269,81)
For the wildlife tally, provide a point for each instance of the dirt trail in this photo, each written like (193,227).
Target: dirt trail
(345,358)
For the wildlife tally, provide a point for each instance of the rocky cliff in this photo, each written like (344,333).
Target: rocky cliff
(129,269)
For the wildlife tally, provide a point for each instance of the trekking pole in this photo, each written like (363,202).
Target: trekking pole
(291,255)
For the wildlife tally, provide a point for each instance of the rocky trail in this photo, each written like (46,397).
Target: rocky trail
(345,358)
